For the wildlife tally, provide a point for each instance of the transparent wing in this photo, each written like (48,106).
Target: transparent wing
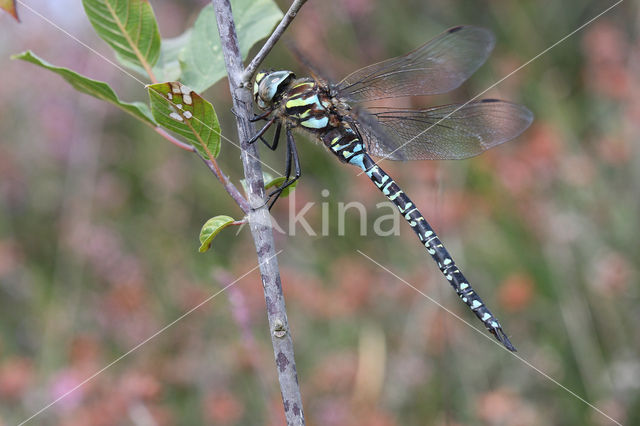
(438,66)
(447,132)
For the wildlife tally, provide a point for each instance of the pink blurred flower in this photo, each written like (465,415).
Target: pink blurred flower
(615,150)
(606,50)
(358,8)
(612,273)
(65,386)
(505,407)
(223,408)
(15,376)
(516,292)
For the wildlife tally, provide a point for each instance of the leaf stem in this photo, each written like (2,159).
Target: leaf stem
(174,140)
(213,166)
(251,69)
(259,217)
(227,184)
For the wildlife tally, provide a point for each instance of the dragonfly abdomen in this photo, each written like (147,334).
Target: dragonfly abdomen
(345,144)
(434,247)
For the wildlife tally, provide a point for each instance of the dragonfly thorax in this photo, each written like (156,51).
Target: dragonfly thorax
(269,87)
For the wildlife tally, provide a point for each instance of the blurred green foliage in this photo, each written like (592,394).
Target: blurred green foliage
(100,217)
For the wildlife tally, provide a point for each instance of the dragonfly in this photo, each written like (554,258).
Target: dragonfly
(333,115)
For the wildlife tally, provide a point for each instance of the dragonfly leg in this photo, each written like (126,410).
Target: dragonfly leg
(262,131)
(258,117)
(292,157)
(276,138)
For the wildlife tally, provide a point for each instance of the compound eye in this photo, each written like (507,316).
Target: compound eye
(268,88)
(265,91)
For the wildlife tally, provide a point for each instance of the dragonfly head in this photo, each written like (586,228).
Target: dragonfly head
(269,86)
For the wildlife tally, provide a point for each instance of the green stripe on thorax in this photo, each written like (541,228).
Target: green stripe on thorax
(309,104)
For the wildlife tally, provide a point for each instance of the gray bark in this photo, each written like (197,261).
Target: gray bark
(260,220)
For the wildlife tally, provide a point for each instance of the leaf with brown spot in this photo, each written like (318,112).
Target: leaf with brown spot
(182,111)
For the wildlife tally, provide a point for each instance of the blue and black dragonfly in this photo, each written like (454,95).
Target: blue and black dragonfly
(331,114)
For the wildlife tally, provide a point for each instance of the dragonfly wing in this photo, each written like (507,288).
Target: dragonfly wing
(438,66)
(447,132)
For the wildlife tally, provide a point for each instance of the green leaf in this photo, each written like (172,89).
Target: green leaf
(266,177)
(270,182)
(202,61)
(168,66)
(181,110)
(279,181)
(9,6)
(211,228)
(129,27)
(95,88)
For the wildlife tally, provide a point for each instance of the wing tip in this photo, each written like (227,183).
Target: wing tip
(480,35)
(526,114)
(529,115)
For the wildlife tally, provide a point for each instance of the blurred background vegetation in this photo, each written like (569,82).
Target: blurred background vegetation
(99,220)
